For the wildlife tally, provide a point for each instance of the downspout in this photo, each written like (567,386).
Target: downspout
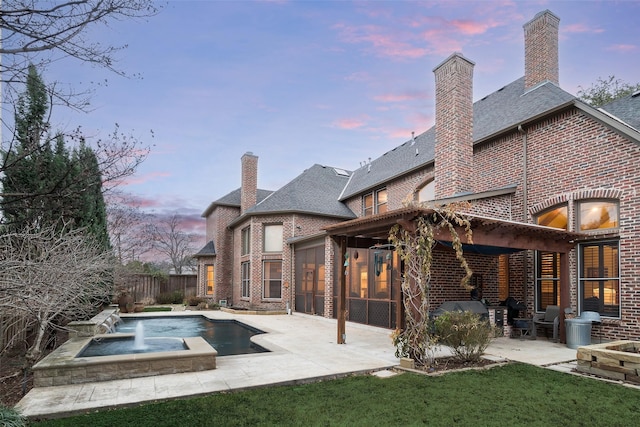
(525,203)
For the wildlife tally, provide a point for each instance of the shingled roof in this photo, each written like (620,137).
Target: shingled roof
(233,200)
(626,109)
(208,250)
(315,192)
(504,109)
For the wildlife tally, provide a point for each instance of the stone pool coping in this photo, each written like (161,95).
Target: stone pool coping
(63,367)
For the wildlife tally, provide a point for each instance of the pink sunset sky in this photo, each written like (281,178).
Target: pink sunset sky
(305,82)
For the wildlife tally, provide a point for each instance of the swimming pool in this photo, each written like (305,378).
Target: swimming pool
(228,337)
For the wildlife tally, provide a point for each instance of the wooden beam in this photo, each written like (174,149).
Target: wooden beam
(565,295)
(342,292)
(507,239)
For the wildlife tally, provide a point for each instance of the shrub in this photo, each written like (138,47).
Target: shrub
(175,297)
(9,417)
(465,333)
(194,301)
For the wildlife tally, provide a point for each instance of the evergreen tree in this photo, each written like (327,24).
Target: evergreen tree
(44,183)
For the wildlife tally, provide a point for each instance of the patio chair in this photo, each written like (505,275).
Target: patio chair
(550,319)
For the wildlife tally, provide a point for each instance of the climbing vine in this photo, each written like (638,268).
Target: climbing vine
(414,243)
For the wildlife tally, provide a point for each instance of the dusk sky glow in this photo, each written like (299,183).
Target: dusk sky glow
(305,82)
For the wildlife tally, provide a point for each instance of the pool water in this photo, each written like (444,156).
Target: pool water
(228,337)
(111,346)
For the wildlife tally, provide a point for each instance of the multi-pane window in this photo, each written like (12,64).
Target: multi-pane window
(375,202)
(600,278)
(597,214)
(245,237)
(245,279)
(547,279)
(210,285)
(548,263)
(273,238)
(272,279)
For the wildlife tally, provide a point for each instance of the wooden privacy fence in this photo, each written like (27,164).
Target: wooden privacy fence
(13,330)
(145,287)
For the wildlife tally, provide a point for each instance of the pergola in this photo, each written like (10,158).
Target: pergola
(490,235)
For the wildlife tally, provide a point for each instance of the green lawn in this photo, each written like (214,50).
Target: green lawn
(510,395)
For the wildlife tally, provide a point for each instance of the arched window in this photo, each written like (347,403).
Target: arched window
(427,192)
(597,214)
(548,263)
(555,217)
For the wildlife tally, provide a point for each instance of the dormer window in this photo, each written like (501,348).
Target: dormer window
(375,202)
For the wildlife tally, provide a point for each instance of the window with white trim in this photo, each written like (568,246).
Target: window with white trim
(245,238)
(245,279)
(273,238)
(272,279)
(210,279)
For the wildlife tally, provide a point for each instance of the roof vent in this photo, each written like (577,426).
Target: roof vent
(413,137)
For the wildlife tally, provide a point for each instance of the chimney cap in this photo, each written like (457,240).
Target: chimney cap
(451,57)
(541,14)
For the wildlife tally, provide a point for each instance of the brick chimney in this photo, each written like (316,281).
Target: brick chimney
(541,50)
(454,126)
(249,181)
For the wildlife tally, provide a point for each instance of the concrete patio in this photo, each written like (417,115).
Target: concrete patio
(303,349)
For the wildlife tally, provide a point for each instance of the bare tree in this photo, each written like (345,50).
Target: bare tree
(127,224)
(42,32)
(49,277)
(168,239)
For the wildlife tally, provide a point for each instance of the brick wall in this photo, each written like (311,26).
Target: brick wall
(293,225)
(249,181)
(454,126)
(541,49)
(572,157)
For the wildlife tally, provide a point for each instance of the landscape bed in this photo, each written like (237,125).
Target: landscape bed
(618,360)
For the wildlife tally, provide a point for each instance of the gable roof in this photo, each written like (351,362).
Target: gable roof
(504,109)
(232,199)
(208,250)
(627,109)
(315,191)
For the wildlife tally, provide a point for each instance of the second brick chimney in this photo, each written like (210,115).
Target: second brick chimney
(454,126)
(541,49)
(249,181)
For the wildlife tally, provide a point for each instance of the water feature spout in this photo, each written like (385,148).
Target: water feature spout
(138,343)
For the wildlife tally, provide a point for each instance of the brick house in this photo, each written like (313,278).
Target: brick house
(552,185)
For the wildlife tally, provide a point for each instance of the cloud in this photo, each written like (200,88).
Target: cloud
(381,43)
(351,123)
(623,48)
(401,97)
(581,28)
(141,179)
(472,28)
(358,76)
